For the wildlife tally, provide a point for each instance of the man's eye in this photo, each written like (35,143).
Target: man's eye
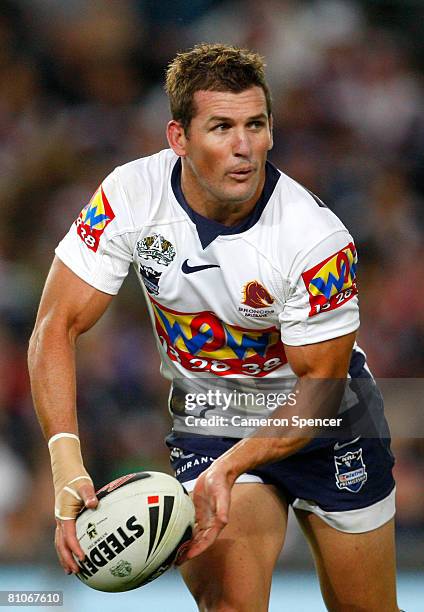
(256,124)
(221,127)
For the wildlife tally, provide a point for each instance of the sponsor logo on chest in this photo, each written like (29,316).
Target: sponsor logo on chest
(201,341)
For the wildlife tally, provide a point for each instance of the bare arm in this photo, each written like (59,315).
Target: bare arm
(68,307)
(323,361)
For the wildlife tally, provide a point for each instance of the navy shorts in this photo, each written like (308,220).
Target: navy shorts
(348,483)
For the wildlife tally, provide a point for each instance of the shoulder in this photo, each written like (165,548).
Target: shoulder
(302,222)
(136,188)
(303,214)
(152,168)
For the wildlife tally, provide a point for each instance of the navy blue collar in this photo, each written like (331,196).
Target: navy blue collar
(208,229)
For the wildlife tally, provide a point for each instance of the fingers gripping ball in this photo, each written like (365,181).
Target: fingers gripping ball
(136,532)
(69,474)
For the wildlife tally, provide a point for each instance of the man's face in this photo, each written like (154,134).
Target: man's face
(227,145)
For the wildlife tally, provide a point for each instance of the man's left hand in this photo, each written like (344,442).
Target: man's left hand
(211,497)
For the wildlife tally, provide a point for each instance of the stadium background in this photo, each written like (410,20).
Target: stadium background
(81,92)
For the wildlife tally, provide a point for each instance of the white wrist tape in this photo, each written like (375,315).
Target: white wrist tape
(69,474)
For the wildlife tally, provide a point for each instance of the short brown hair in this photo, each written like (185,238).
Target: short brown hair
(211,67)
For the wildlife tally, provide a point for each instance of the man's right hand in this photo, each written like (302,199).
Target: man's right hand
(73,489)
(66,541)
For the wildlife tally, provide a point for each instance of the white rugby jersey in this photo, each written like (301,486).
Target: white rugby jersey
(223,300)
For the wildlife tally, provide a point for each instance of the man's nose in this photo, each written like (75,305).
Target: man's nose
(241,144)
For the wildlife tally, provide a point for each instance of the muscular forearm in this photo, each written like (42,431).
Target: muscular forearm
(252,452)
(316,399)
(51,362)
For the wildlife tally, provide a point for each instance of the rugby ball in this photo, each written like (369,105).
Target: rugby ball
(136,531)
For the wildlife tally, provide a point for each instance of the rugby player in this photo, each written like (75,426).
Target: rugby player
(247,276)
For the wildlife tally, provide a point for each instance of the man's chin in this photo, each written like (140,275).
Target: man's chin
(240,197)
(239,193)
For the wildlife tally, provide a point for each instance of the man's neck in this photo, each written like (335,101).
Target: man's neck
(202,201)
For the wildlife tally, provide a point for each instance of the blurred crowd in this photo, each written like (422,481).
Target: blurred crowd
(81,91)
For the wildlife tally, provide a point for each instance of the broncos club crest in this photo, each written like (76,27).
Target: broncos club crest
(256,300)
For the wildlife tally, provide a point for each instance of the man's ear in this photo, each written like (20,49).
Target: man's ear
(271,126)
(177,138)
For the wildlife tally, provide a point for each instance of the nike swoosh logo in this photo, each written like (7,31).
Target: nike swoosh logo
(338,446)
(190,269)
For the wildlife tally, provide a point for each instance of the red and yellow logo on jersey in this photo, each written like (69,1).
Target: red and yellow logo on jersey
(93,219)
(256,296)
(332,283)
(202,342)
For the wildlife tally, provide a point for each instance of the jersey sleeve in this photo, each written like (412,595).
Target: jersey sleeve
(97,247)
(322,301)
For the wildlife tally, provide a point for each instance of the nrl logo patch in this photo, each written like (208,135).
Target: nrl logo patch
(156,247)
(91,531)
(122,569)
(150,279)
(350,471)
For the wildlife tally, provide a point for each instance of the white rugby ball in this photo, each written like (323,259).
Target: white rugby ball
(136,531)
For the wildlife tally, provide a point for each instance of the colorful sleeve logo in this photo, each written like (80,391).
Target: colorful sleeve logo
(332,283)
(93,219)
